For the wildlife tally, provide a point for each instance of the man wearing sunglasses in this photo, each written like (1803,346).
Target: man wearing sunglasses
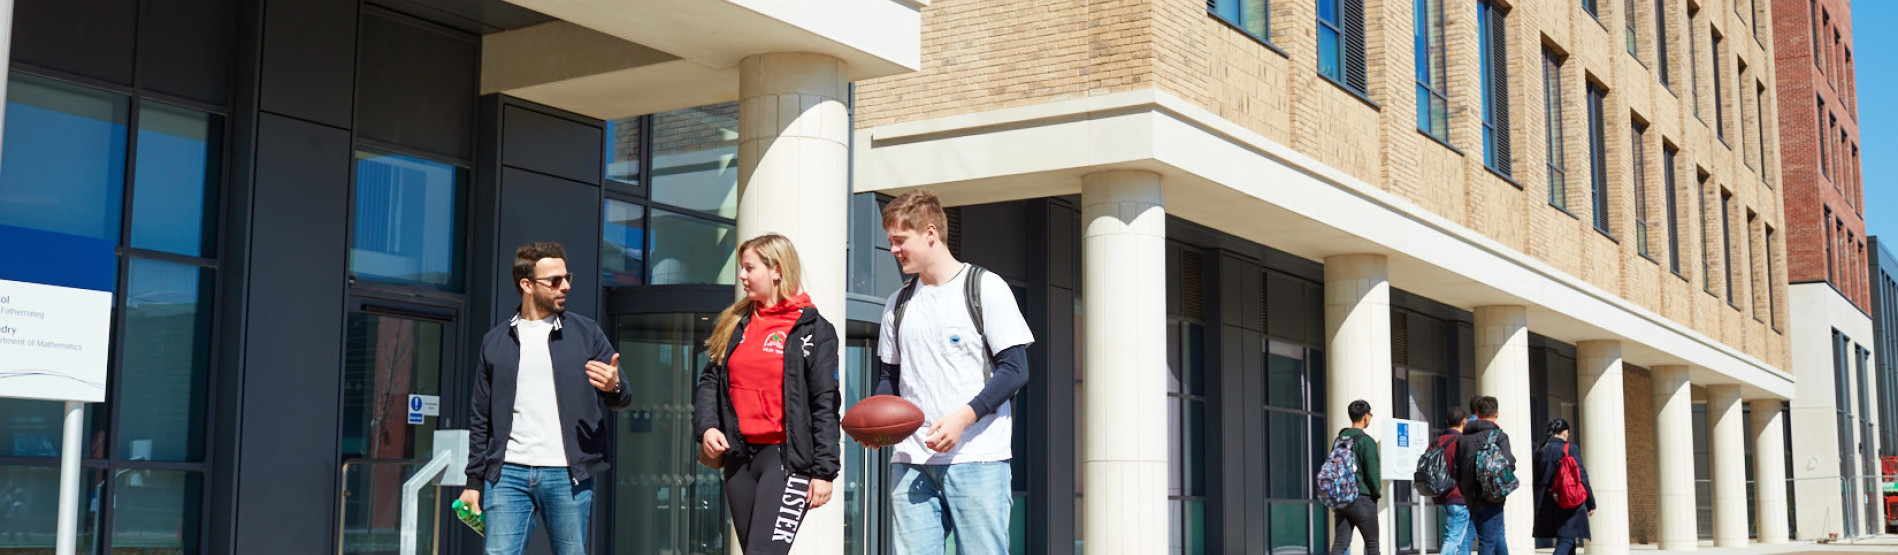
(537,437)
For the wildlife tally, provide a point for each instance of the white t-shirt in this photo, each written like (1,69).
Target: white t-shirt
(535,438)
(942,364)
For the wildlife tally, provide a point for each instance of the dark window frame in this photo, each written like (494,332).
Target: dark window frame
(1492,33)
(1598,157)
(1670,156)
(1432,86)
(1555,136)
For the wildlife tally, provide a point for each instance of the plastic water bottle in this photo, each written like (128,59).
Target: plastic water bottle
(479,522)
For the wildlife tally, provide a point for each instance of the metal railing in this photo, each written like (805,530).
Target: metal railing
(371,488)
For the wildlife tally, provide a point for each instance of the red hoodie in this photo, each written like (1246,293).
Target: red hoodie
(757,371)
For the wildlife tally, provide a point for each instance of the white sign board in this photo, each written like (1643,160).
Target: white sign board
(53,342)
(1401,444)
(423,405)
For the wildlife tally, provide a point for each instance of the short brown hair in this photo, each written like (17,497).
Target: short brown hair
(917,210)
(530,254)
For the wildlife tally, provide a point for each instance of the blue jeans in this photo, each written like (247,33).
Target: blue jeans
(511,502)
(971,499)
(1565,546)
(1489,530)
(1458,531)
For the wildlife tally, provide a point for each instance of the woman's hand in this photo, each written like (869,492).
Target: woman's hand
(713,445)
(820,492)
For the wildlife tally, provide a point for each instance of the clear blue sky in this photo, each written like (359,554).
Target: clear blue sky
(1876,54)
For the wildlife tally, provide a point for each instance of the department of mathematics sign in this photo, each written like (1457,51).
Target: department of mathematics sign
(55,314)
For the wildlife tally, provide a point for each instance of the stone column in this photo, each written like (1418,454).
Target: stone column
(1769,470)
(1124,446)
(1727,457)
(1603,439)
(1502,371)
(792,165)
(1674,454)
(1358,355)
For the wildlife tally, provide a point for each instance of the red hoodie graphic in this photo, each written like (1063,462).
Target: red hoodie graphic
(757,371)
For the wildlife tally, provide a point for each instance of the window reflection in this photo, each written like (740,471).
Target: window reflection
(695,159)
(408,224)
(691,250)
(154,511)
(175,180)
(63,164)
(623,148)
(166,356)
(663,500)
(386,359)
(623,252)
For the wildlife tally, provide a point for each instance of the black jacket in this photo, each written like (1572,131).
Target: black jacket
(575,340)
(1474,434)
(810,398)
(1553,521)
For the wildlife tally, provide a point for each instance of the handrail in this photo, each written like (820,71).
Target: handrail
(444,468)
(412,493)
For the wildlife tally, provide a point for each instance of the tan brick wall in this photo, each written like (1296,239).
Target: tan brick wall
(981,55)
(1643,480)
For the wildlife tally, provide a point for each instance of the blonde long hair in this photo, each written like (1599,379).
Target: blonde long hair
(777,253)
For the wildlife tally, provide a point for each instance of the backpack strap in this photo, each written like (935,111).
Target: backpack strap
(971,292)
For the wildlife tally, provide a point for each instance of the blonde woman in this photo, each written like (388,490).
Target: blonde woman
(766,406)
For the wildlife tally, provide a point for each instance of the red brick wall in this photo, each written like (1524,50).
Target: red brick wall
(1810,189)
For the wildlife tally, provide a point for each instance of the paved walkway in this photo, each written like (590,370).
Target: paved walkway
(1876,544)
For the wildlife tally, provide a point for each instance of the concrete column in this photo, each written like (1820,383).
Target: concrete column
(1358,350)
(1727,457)
(1124,446)
(1769,471)
(1603,439)
(792,164)
(1502,371)
(1674,458)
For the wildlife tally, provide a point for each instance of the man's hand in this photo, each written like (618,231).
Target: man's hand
(605,377)
(713,444)
(472,498)
(947,433)
(820,492)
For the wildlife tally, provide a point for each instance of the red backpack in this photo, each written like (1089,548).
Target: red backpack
(1567,487)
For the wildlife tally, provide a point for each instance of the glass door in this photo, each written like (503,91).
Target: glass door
(386,360)
(663,501)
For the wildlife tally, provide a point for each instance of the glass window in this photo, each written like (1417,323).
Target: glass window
(1598,156)
(1669,157)
(386,359)
(63,164)
(1330,41)
(623,252)
(175,180)
(695,159)
(1591,8)
(686,249)
(1186,415)
(1285,376)
(1660,40)
(665,501)
(1719,103)
(150,508)
(1254,16)
(408,224)
(623,140)
(1638,139)
(1492,52)
(1552,113)
(166,360)
(28,497)
(1433,105)
(1628,17)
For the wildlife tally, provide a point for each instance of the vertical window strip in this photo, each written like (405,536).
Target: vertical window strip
(1496,152)
(1591,7)
(1825,151)
(1726,238)
(1627,15)
(1638,139)
(1827,224)
(1670,156)
(1598,157)
(1706,242)
(1330,40)
(1693,62)
(1356,66)
(1759,110)
(1772,269)
(1660,41)
(1433,113)
(1719,100)
(1552,110)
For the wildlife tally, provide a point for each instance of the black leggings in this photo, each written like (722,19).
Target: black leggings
(1361,514)
(767,503)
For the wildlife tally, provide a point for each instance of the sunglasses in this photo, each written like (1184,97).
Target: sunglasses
(554,281)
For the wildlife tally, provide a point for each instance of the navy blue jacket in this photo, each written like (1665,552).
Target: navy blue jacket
(575,340)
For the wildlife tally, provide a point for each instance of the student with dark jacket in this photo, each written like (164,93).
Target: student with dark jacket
(1487,516)
(1362,513)
(1567,526)
(765,409)
(1458,532)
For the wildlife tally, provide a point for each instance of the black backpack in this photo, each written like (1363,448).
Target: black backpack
(971,291)
(1433,478)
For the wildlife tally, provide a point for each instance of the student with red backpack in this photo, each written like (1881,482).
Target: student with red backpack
(1564,500)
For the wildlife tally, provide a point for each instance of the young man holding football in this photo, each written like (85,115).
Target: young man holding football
(958,350)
